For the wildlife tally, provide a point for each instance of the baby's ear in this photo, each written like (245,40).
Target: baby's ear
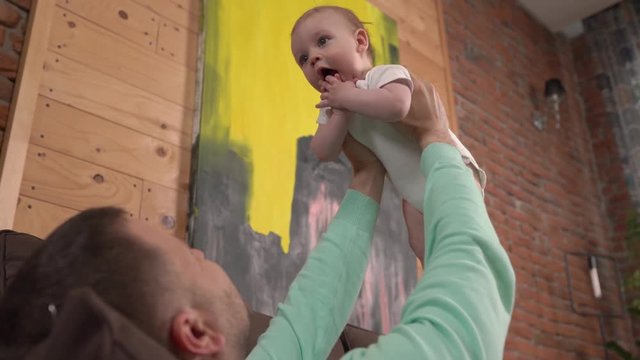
(362,40)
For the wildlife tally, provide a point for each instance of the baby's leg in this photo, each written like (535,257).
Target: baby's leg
(415,226)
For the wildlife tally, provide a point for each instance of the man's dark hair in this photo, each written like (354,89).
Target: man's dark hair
(93,249)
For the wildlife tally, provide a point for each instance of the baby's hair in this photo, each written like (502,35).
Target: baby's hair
(346,14)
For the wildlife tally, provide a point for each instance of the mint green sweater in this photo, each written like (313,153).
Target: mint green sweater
(461,307)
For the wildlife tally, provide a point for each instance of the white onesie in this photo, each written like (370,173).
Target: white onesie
(399,154)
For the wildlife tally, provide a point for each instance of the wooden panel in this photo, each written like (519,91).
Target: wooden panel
(425,69)
(77,184)
(427,42)
(70,131)
(421,32)
(409,11)
(72,83)
(97,48)
(39,218)
(175,11)
(453,118)
(165,208)
(193,6)
(124,17)
(417,25)
(16,139)
(178,44)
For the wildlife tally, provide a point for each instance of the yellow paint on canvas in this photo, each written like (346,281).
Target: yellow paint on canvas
(262,103)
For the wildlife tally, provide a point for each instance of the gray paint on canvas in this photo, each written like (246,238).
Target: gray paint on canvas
(256,263)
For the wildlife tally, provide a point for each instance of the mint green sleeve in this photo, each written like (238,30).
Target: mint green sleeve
(323,294)
(462,306)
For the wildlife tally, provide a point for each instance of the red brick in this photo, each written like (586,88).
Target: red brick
(16,41)
(520,345)
(9,15)
(23,4)
(548,353)
(4,115)
(521,330)
(9,65)
(6,89)
(2,33)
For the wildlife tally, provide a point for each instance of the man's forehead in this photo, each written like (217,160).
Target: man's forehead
(152,235)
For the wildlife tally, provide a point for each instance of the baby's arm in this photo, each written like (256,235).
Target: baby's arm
(390,102)
(326,144)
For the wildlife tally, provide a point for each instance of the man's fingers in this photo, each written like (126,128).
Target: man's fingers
(438,109)
(441,112)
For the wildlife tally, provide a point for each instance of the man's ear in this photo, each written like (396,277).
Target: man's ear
(192,335)
(362,40)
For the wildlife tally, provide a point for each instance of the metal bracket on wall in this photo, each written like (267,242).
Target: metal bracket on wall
(599,314)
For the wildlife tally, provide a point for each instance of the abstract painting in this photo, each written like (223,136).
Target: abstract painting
(260,200)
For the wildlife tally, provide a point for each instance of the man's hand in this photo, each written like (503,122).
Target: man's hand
(368,171)
(335,92)
(427,119)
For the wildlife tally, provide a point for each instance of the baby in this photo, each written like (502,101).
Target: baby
(331,46)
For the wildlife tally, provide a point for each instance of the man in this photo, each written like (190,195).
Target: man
(460,309)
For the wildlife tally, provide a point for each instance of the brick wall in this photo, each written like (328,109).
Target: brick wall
(544,194)
(607,65)
(13,24)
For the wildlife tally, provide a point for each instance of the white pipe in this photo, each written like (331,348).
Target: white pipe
(595,279)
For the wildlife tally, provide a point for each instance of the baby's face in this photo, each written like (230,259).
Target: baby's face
(326,44)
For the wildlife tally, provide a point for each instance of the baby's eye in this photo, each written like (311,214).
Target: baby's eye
(322,41)
(302,59)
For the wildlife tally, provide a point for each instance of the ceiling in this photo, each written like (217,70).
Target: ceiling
(564,15)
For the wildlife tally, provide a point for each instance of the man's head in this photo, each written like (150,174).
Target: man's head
(169,291)
(330,40)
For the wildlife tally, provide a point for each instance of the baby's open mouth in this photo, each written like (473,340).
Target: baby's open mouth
(326,72)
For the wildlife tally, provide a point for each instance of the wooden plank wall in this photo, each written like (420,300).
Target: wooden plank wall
(114,114)
(115,106)
(423,46)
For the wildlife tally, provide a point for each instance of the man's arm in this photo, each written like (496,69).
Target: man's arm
(322,296)
(462,306)
(327,142)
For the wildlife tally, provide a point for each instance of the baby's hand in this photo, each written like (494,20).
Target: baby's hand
(335,92)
